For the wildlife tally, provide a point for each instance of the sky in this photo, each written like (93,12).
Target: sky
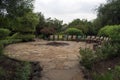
(68,10)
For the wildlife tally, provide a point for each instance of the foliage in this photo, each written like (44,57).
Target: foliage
(97,25)
(26,23)
(20,7)
(109,75)
(73,31)
(83,25)
(106,51)
(88,57)
(1,49)
(18,18)
(9,41)
(55,23)
(4,22)
(4,33)
(111,31)
(24,72)
(116,73)
(10,15)
(47,31)
(23,37)
(48,26)
(108,14)
(105,76)
(41,23)
(2,73)
(13,69)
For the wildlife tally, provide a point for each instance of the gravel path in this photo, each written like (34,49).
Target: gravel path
(59,59)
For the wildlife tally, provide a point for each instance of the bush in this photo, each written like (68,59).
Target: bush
(104,76)
(23,73)
(116,73)
(23,37)
(25,23)
(14,70)
(88,58)
(111,31)
(9,41)
(73,31)
(2,73)
(48,31)
(109,75)
(107,51)
(1,48)
(4,33)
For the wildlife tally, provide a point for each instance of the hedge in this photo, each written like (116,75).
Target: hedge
(111,31)
(73,31)
(4,33)
(23,37)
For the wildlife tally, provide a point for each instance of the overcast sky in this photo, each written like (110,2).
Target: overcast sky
(67,10)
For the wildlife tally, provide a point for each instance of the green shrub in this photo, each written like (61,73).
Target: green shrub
(109,75)
(4,33)
(9,41)
(24,72)
(104,76)
(2,73)
(23,37)
(1,48)
(111,31)
(107,51)
(116,73)
(61,33)
(73,31)
(88,58)
(41,36)
(25,23)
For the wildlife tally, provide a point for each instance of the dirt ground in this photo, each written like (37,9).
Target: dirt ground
(59,59)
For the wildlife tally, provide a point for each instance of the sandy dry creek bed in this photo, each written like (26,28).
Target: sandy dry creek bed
(59,59)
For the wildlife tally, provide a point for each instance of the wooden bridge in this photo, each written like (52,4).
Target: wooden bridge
(88,39)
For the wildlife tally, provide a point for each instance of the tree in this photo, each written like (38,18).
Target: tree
(84,25)
(41,23)
(108,13)
(55,23)
(73,31)
(15,8)
(111,31)
(18,16)
(11,9)
(48,26)
(26,23)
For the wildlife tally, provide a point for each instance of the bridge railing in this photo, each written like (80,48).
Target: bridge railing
(88,39)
